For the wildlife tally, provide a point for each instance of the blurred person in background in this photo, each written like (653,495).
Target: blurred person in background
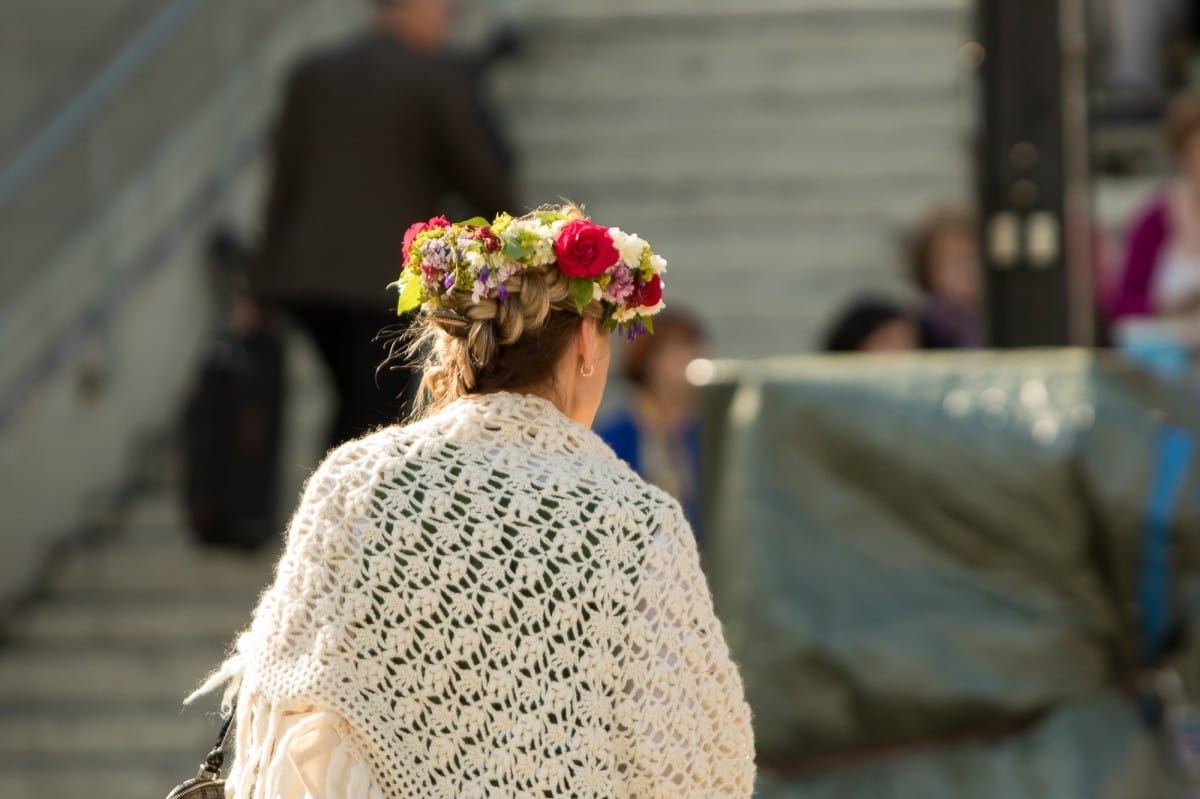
(873,324)
(378,130)
(1161,273)
(945,264)
(657,432)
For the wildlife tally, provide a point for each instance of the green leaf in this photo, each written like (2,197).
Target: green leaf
(549,217)
(476,221)
(581,291)
(410,296)
(649,324)
(514,251)
(607,323)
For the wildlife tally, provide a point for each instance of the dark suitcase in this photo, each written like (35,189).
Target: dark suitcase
(232,428)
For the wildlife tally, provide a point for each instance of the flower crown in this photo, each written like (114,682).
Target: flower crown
(477,258)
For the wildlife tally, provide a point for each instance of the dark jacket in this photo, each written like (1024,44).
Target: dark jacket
(372,136)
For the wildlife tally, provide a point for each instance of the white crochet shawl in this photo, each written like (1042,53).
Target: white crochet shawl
(494,606)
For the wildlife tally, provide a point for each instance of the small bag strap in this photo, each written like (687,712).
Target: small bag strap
(216,757)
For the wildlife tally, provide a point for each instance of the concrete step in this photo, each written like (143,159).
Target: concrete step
(167,619)
(118,673)
(773,333)
(172,568)
(71,778)
(633,206)
(767,276)
(687,107)
(749,118)
(791,301)
(108,729)
(766,158)
(602,92)
(701,196)
(840,119)
(723,59)
(701,53)
(879,201)
(749,46)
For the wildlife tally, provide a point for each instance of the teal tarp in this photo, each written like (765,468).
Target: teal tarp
(917,551)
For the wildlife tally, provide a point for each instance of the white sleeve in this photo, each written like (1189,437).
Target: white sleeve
(311,762)
(683,706)
(1176,283)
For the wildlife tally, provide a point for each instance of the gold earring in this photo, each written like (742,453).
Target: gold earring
(587,371)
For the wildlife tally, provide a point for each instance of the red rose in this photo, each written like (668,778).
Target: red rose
(417,228)
(648,294)
(491,242)
(584,249)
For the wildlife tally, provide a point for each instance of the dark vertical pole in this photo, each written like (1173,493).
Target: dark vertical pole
(1023,171)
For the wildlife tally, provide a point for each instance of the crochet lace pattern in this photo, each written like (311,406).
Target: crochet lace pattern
(494,606)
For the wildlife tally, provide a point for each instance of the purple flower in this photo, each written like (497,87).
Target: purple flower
(483,275)
(502,292)
(621,285)
(449,281)
(435,259)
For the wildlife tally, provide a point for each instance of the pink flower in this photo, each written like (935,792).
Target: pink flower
(491,242)
(584,249)
(417,228)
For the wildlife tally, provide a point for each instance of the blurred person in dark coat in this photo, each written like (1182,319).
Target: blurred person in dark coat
(371,135)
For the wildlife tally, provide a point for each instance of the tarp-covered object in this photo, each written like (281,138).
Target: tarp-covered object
(960,555)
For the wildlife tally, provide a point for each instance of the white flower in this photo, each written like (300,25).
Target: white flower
(658,264)
(544,236)
(623,315)
(543,252)
(475,260)
(630,246)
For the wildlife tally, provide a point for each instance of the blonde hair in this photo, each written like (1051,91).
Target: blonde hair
(475,346)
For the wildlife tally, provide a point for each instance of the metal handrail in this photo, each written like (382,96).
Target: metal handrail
(69,180)
(58,83)
(68,123)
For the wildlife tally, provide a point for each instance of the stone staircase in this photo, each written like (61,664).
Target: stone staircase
(90,685)
(128,618)
(770,149)
(49,49)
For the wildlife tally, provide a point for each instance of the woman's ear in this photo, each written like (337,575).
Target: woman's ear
(589,342)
